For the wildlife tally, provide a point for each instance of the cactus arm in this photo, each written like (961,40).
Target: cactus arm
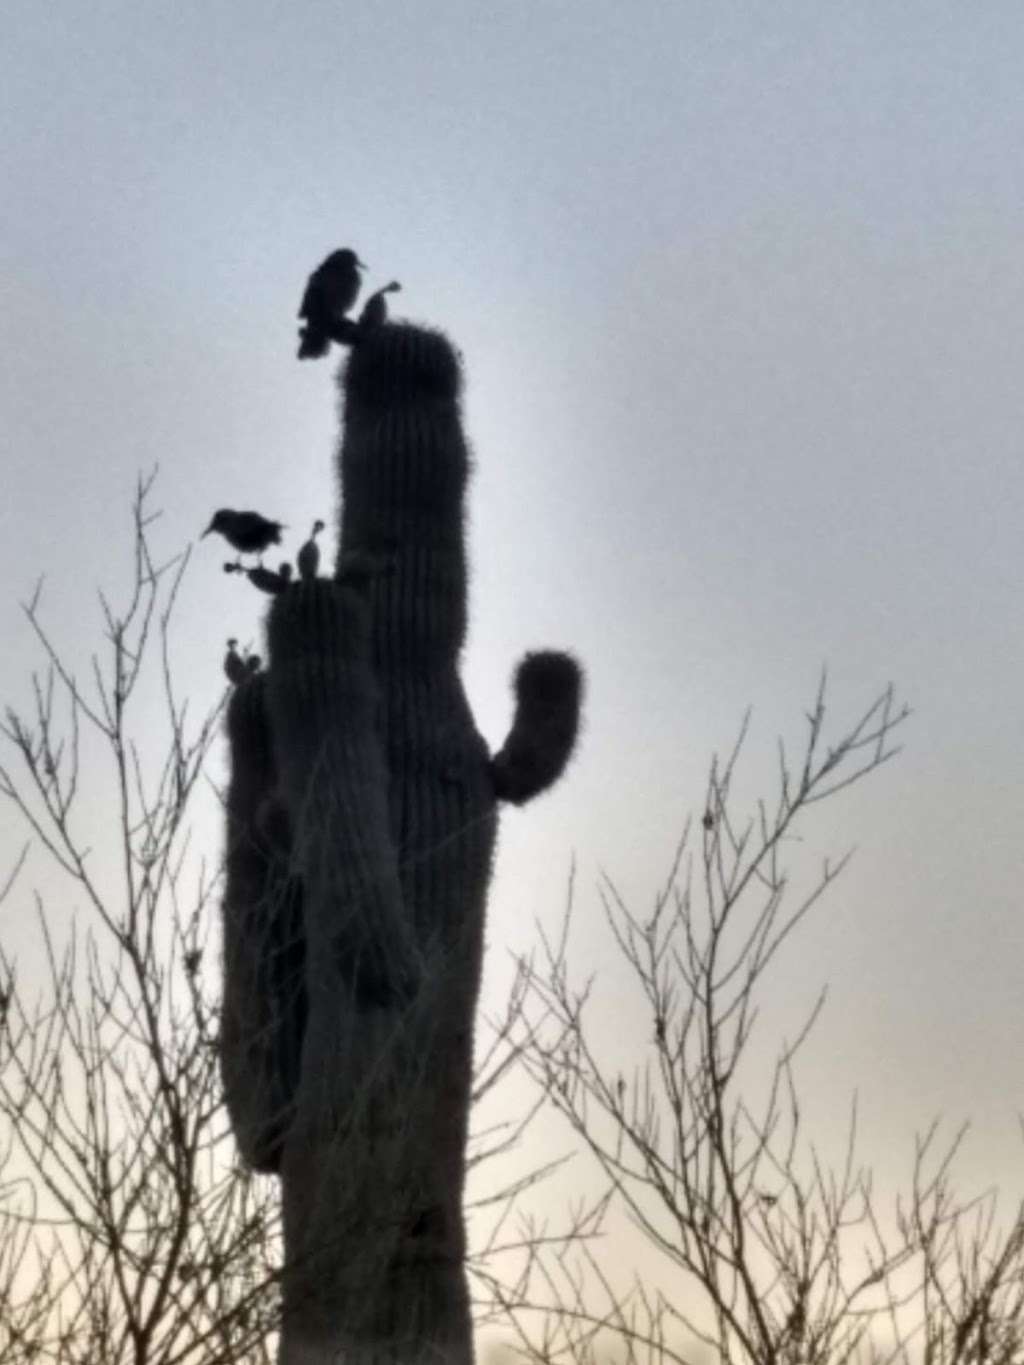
(263,1009)
(548,688)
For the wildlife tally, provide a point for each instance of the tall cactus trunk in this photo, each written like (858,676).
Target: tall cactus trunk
(387,798)
(388,787)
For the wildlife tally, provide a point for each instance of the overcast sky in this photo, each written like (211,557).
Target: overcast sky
(739,293)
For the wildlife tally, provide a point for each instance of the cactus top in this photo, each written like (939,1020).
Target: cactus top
(401,363)
(404,463)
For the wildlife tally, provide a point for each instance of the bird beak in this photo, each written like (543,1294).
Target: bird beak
(207,531)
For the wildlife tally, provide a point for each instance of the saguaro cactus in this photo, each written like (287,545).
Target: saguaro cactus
(383,793)
(263,1013)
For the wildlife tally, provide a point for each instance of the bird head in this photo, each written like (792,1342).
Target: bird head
(232,643)
(318,526)
(345,259)
(221,520)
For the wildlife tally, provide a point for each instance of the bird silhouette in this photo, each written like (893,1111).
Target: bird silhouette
(375,310)
(264,579)
(246,532)
(308,558)
(234,664)
(331,291)
(253,664)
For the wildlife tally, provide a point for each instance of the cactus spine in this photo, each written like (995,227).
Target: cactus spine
(390,797)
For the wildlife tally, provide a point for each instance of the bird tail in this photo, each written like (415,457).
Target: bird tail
(312,344)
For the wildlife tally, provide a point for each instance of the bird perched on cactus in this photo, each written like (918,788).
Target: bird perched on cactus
(235,667)
(265,579)
(330,292)
(375,310)
(247,532)
(308,558)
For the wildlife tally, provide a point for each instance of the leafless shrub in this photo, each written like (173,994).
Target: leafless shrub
(128,1232)
(776,1255)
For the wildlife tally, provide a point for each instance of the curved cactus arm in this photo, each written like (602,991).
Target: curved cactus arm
(263,1010)
(548,688)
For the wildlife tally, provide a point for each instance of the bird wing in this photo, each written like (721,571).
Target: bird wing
(311,295)
(256,524)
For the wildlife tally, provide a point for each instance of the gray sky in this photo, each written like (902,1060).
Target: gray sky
(739,293)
